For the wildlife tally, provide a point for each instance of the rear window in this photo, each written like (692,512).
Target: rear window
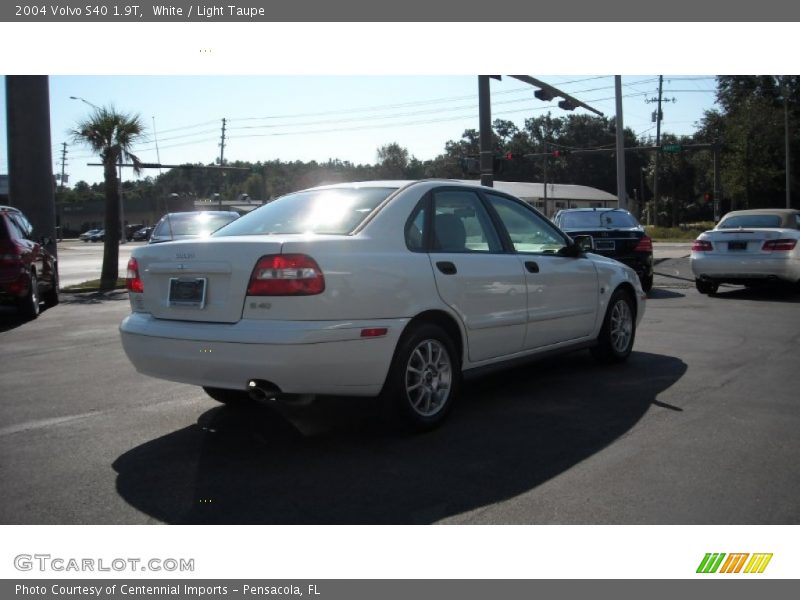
(750,221)
(336,211)
(601,218)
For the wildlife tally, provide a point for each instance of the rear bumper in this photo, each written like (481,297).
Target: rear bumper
(299,357)
(733,269)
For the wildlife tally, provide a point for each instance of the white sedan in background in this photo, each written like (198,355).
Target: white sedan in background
(748,247)
(388,289)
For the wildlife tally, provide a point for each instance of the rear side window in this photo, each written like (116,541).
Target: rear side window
(336,211)
(11,228)
(461,224)
(750,221)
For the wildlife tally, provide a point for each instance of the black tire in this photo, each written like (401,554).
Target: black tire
(50,297)
(647,283)
(424,379)
(29,305)
(230,397)
(705,286)
(615,342)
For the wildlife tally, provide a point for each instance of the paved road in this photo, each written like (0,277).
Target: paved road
(82,261)
(700,426)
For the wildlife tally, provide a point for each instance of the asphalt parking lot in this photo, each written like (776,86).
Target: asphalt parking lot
(698,427)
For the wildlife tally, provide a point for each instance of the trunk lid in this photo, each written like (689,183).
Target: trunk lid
(741,241)
(204,280)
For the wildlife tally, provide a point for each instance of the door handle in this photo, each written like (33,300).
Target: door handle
(531,266)
(446,267)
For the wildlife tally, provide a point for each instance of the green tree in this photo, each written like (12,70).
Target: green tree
(111,134)
(392,161)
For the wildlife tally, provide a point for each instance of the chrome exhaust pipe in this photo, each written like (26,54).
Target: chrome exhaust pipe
(262,391)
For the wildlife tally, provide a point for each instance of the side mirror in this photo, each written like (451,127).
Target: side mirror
(45,241)
(584,242)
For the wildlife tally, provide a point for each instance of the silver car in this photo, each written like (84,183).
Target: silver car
(748,247)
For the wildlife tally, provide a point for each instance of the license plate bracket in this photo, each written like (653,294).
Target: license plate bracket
(604,245)
(187,292)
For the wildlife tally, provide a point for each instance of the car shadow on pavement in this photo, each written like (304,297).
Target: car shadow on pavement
(663,294)
(10,318)
(765,293)
(94,297)
(339,463)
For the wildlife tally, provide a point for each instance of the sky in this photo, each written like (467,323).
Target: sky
(346,117)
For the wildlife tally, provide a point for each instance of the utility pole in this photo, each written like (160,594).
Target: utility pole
(123,234)
(222,145)
(786,135)
(60,202)
(155,138)
(221,162)
(63,163)
(30,161)
(717,182)
(485,136)
(658,143)
(546,159)
(622,195)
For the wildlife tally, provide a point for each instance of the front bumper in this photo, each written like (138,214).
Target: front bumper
(299,357)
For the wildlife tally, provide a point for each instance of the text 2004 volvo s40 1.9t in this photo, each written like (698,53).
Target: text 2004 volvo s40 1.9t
(388,289)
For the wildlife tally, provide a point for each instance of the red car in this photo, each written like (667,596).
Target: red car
(28,272)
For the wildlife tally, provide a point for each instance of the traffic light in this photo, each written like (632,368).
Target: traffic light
(559,153)
(513,155)
(567,105)
(545,95)
(708,197)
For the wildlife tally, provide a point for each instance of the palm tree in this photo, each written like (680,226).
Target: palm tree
(111,135)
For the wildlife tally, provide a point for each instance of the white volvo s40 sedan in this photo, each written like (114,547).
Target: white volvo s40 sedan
(388,289)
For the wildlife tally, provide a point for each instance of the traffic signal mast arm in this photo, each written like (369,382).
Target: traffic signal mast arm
(563,152)
(548,92)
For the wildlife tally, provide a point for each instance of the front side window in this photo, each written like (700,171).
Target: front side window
(528,231)
(461,223)
(336,211)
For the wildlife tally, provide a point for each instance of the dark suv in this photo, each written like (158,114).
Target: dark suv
(28,272)
(615,233)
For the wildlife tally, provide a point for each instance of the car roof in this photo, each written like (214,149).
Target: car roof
(593,209)
(195,213)
(763,211)
(392,183)
(9,209)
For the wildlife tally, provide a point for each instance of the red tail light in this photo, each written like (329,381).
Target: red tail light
(645,245)
(132,280)
(9,254)
(702,246)
(286,275)
(779,245)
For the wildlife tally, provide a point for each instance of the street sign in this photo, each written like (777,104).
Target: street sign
(671,148)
